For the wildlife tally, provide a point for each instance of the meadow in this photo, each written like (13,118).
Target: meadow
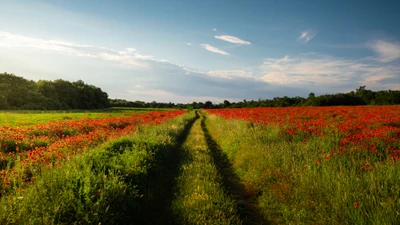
(315,165)
(289,165)
(31,117)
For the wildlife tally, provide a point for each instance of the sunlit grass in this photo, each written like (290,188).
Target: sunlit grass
(296,182)
(27,118)
(110,184)
(200,196)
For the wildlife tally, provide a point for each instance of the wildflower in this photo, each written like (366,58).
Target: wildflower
(355,204)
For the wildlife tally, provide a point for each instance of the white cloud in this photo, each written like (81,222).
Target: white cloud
(317,69)
(387,51)
(189,43)
(128,51)
(126,59)
(148,95)
(214,29)
(233,39)
(214,49)
(9,40)
(230,74)
(129,56)
(306,36)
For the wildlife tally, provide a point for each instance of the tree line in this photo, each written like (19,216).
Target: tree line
(361,96)
(18,93)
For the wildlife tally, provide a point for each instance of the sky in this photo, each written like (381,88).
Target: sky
(211,50)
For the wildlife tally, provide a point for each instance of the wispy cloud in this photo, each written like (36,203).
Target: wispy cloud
(230,74)
(128,56)
(315,69)
(189,43)
(214,49)
(214,29)
(148,94)
(127,51)
(306,36)
(233,39)
(387,51)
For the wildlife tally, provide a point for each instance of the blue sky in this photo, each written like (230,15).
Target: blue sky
(185,51)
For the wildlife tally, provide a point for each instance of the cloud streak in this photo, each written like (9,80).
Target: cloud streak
(316,69)
(230,74)
(387,51)
(233,39)
(159,95)
(128,56)
(306,36)
(213,49)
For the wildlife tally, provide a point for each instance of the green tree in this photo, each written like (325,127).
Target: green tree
(226,104)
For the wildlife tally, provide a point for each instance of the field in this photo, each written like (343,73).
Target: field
(316,165)
(27,118)
(293,165)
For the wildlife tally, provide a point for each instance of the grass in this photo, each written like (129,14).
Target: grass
(27,118)
(200,196)
(112,184)
(291,187)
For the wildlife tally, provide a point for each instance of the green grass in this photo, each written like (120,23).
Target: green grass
(112,184)
(28,118)
(200,196)
(283,176)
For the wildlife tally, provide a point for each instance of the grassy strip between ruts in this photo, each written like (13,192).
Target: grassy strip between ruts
(200,197)
(111,184)
(293,186)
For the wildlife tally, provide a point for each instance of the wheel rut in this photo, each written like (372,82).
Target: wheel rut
(247,205)
(171,192)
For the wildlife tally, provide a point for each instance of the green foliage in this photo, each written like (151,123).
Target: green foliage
(19,93)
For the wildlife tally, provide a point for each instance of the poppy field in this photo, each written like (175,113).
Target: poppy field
(366,130)
(26,150)
(289,165)
(319,165)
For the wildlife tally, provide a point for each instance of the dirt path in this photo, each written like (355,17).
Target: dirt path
(200,197)
(159,210)
(197,167)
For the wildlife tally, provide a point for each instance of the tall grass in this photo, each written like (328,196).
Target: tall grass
(296,182)
(112,184)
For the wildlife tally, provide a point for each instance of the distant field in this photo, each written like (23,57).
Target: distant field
(27,118)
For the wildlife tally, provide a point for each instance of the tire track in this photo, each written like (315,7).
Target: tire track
(247,205)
